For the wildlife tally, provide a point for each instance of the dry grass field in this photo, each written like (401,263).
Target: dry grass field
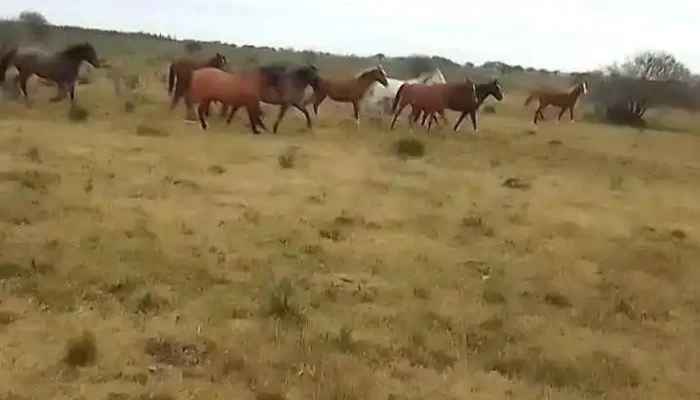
(142,258)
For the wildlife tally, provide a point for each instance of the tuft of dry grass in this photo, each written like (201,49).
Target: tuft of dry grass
(81,351)
(496,265)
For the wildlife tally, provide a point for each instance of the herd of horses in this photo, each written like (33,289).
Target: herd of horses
(208,80)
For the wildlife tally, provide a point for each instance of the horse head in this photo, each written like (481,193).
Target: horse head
(83,52)
(496,90)
(435,76)
(584,86)
(376,74)
(308,75)
(218,61)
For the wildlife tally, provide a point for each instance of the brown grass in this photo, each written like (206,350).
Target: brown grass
(508,263)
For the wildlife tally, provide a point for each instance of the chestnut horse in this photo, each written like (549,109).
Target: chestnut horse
(295,82)
(563,100)
(350,90)
(434,99)
(180,73)
(235,89)
(483,91)
(60,67)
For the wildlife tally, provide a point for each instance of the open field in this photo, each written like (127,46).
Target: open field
(203,269)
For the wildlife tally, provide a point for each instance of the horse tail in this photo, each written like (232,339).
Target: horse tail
(397,97)
(530,97)
(5,62)
(171,78)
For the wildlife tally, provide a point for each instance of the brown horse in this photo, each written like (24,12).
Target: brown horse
(180,73)
(235,89)
(350,90)
(295,83)
(60,67)
(562,99)
(483,91)
(434,99)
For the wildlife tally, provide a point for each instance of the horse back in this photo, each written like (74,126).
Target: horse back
(210,83)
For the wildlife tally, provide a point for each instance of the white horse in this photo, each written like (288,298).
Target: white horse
(378,98)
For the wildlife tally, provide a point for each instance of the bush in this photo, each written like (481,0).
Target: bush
(78,113)
(409,148)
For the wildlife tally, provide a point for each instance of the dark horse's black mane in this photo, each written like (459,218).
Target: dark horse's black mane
(76,49)
(276,72)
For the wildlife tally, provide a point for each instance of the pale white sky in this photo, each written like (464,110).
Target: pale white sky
(554,34)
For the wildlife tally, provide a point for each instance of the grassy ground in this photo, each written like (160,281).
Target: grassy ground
(143,258)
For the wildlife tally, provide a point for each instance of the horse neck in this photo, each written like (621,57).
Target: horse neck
(364,82)
(482,92)
(72,58)
(575,92)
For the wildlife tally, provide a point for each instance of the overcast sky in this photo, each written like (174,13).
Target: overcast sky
(554,34)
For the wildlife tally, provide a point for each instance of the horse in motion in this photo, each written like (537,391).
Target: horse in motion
(61,67)
(483,91)
(349,90)
(558,98)
(234,89)
(294,84)
(180,74)
(434,99)
(379,98)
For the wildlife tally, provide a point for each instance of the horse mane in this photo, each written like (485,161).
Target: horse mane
(75,48)
(365,72)
(575,86)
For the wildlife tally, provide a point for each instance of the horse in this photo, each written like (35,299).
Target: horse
(562,99)
(350,90)
(235,89)
(60,67)
(483,91)
(379,98)
(180,73)
(295,83)
(432,99)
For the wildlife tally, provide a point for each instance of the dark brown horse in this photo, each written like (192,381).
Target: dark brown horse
(558,98)
(60,67)
(349,90)
(434,99)
(483,91)
(294,84)
(180,73)
(234,89)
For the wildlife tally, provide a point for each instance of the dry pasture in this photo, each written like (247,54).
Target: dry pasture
(141,258)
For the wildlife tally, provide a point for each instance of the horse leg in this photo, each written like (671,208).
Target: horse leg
(224,108)
(415,113)
(71,92)
(189,105)
(22,79)
(231,114)
(201,113)
(425,116)
(60,92)
(571,114)
(561,112)
(472,115)
(444,118)
(282,110)
(538,111)
(356,113)
(459,120)
(396,115)
(304,111)
(254,117)
(318,99)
